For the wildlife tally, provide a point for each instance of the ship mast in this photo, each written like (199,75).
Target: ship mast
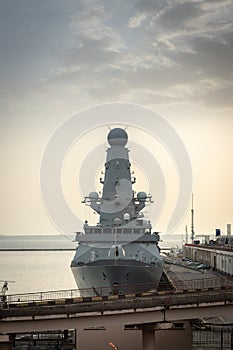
(192,222)
(118,203)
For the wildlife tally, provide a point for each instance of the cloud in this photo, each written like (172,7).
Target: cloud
(95,43)
(90,54)
(152,48)
(136,21)
(219,98)
(31,34)
(209,59)
(91,23)
(180,16)
(151,6)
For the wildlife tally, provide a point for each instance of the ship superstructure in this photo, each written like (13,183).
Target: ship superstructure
(120,253)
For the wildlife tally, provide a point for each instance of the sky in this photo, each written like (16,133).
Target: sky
(58,58)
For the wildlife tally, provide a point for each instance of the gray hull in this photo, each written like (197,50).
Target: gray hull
(116,276)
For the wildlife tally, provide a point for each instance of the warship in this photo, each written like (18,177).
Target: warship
(120,254)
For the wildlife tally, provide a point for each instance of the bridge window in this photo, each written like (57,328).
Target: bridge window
(107,230)
(127,230)
(97,230)
(137,230)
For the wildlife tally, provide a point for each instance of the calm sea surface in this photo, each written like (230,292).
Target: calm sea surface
(35,271)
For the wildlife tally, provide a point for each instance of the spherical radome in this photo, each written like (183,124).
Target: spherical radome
(93,196)
(117,136)
(141,196)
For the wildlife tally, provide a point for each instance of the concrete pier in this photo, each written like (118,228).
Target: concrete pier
(148,338)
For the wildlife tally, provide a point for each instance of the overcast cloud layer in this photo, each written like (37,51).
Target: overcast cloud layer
(155,52)
(58,57)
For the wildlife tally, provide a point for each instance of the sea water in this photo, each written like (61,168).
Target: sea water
(33,271)
(36,271)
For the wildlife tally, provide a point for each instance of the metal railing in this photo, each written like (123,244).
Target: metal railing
(164,287)
(67,302)
(201,283)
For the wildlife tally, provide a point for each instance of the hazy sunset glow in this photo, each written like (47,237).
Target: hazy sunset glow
(60,57)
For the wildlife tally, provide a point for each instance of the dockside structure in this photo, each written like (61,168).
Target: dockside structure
(219,258)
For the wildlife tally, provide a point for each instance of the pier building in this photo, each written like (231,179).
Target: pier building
(218,257)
